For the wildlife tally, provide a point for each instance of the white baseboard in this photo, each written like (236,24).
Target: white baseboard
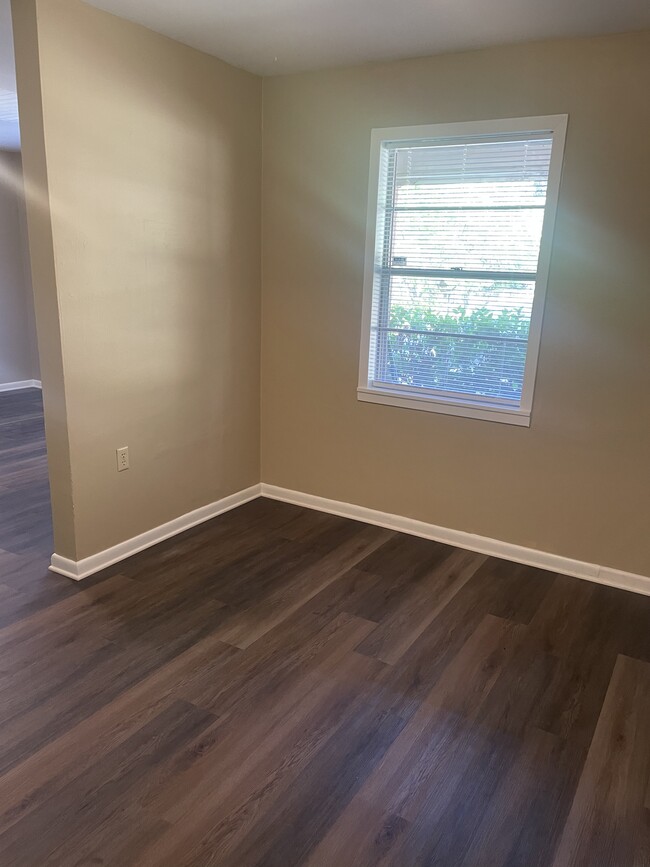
(24,383)
(79,569)
(460,539)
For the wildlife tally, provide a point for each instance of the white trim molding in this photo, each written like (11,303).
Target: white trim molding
(79,569)
(17,386)
(379,267)
(470,541)
(441,405)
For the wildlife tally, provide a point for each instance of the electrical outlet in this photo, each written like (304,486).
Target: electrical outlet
(122,459)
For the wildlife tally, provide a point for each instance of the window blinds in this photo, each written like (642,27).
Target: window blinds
(457,244)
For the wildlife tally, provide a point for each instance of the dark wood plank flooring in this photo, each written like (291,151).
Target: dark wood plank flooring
(25,523)
(283,687)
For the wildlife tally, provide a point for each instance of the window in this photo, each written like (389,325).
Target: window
(459,241)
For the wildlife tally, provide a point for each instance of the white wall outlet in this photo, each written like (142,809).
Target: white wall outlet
(122,459)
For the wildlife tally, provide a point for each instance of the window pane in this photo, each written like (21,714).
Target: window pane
(454,315)
(497,308)
(468,365)
(481,240)
(481,173)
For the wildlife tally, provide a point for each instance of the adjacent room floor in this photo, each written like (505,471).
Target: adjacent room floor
(283,687)
(25,520)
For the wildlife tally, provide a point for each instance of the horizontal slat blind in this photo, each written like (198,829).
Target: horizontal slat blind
(459,230)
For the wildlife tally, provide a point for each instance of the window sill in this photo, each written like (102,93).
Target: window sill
(485,412)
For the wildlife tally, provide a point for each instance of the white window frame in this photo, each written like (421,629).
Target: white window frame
(394,395)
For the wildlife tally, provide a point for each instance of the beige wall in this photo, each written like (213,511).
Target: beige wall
(18,356)
(149,158)
(576,483)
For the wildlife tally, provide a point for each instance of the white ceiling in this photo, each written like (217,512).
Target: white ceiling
(9,132)
(277,36)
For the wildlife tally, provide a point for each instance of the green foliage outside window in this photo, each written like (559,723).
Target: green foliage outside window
(454,363)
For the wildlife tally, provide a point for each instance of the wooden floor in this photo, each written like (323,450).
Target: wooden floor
(282,687)
(25,523)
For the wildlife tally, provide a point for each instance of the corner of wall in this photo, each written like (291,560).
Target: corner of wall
(43,275)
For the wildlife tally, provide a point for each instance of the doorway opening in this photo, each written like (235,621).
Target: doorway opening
(25,512)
